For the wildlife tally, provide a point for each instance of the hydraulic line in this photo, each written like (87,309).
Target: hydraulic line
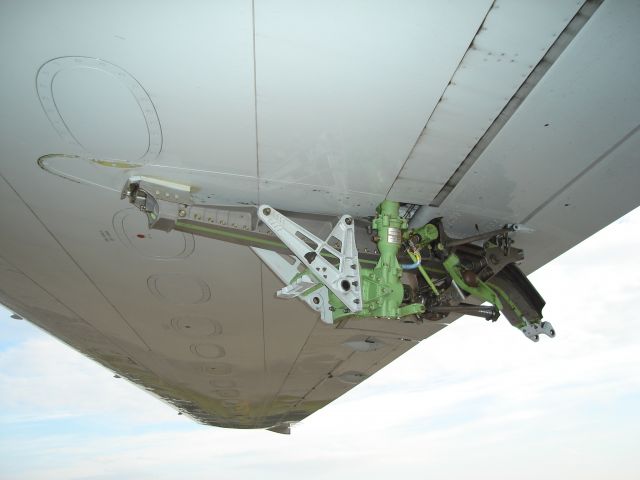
(424,273)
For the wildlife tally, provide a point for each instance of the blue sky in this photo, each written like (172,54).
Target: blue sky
(477,400)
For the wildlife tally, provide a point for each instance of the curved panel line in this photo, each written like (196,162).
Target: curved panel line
(200,350)
(120,230)
(44,86)
(152,284)
(43,164)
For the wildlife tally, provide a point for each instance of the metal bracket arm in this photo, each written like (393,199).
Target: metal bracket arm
(342,280)
(301,287)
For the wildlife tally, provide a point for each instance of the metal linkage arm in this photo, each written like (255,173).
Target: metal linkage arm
(344,279)
(298,285)
(498,298)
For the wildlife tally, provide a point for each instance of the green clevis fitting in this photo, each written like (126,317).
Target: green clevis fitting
(426,234)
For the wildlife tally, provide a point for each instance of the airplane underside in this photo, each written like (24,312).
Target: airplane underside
(248,208)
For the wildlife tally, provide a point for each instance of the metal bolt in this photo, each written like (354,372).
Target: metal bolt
(316,300)
(356,301)
(182,213)
(266,211)
(348,220)
(470,278)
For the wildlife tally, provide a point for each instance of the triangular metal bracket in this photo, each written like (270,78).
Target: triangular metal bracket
(314,253)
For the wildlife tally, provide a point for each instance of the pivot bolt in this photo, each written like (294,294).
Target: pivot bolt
(267,211)
(470,278)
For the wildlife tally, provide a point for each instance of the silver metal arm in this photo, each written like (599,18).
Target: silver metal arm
(343,280)
(317,300)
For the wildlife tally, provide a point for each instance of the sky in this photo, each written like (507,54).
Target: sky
(477,400)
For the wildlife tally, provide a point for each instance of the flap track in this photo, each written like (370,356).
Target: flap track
(360,267)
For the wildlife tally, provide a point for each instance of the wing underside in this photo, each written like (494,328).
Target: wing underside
(479,112)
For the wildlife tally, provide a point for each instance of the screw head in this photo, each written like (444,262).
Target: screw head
(267,211)
(348,220)
(182,213)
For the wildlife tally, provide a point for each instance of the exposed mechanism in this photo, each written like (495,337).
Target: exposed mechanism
(358,267)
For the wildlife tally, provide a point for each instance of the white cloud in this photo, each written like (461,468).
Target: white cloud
(41,378)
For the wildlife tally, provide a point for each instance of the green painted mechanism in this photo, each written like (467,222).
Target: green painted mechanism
(382,289)
(484,291)
(423,236)
(481,290)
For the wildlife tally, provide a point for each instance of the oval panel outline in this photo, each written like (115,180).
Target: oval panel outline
(208,351)
(119,228)
(223,384)
(177,325)
(157,291)
(44,87)
(216,369)
(227,393)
